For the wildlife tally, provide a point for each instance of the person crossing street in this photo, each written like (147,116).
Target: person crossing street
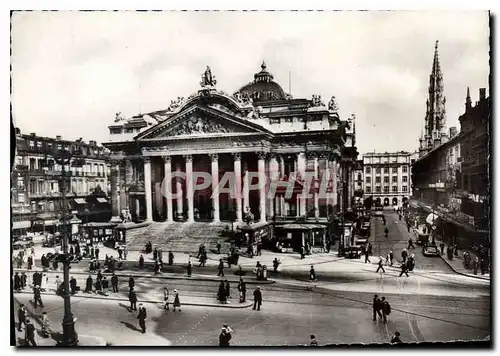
(142,316)
(404,269)
(257,298)
(21,317)
(377,307)
(380,265)
(410,243)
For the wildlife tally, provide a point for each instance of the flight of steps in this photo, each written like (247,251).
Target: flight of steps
(181,236)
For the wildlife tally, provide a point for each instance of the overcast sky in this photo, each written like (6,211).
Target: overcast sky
(72,71)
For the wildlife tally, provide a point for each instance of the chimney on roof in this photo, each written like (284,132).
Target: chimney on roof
(482,94)
(453,131)
(58,138)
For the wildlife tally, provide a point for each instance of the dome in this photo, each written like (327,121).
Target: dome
(263,87)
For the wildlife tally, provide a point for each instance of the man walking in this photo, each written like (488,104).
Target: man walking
(114,283)
(221,268)
(97,253)
(257,299)
(367,259)
(88,286)
(441,246)
(242,288)
(21,317)
(132,297)
(142,315)
(404,255)
(377,306)
(380,265)
(404,269)
(410,243)
(37,297)
(131,282)
(386,309)
(30,334)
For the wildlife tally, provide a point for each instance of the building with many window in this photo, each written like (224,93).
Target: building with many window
(387,177)
(36,178)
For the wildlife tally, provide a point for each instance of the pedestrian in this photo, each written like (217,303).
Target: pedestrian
(142,316)
(257,298)
(177,301)
(242,288)
(125,252)
(165,298)
(21,317)
(105,285)
(218,247)
(221,268)
(97,253)
(17,282)
(404,255)
(30,262)
(45,325)
(157,267)
(386,309)
(312,274)
(227,289)
(29,337)
(44,262)
(120,252)
(377,306)
(482,266)
(88,285)
(302,252)
(37,297)
(98,286)
(141,261)
(380,265)
(58,284)
(276,263)
(170,258)
(221,293)
(396,339)
(114,283)
(411,262)
(404,269)
(370,249)
(312,341)
(386,231)
(160,254)
(476,265)
(131,282)
(225,335)
(132,298)
(72,284)
(410,243)
(189,269)
(55,264)
(99,276)
(441,245)
(367,259)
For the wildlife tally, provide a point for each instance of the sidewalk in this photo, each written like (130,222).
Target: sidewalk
(457,264)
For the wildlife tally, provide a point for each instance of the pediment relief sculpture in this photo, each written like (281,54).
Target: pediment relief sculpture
(197,126)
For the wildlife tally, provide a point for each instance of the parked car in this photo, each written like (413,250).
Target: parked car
(430,251)
(23,242)
(353,252)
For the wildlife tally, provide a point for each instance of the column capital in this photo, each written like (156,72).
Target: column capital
(188,158)
(262,155)
(214,157)
(167,159)
(324,155)
(312,154)
(147,159)
(115,163)
(273,155)
(237,156)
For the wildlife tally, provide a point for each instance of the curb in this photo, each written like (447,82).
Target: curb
(93,296)
(173,276)
(463,273)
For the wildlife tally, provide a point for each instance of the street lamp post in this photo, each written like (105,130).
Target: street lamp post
(69,338)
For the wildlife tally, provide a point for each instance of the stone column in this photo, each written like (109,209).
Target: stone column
(301,167)
(316,186)
(189,187)
(180,194)
(327,178)
(262,186)
(128,180)
(123,183)
(274,175)
(147,189)
(246,191)
(282,166)
(167,187)
(237,185)
(215,187)
(114,192)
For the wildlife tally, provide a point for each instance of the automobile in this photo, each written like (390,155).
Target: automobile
(430,251)
(352,252)
(24,242)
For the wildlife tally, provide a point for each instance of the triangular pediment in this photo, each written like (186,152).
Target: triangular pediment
(202,121)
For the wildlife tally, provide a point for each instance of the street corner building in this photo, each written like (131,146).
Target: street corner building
(259,128)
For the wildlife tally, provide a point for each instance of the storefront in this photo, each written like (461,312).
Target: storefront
(96,233)
(294,236)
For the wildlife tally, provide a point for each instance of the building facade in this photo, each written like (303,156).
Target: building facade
(453,179)
(259,133)
(387,177)
(36,179)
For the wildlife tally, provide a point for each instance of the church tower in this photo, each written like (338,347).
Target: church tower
(435,132)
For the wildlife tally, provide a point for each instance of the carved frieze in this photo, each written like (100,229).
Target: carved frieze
(197,125)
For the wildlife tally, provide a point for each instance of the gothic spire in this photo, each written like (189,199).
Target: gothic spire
(468,102)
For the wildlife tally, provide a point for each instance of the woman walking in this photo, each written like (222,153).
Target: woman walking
(177,302)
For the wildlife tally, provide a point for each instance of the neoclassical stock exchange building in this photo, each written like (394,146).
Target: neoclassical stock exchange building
(259,129)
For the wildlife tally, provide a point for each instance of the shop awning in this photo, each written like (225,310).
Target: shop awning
(102,200)
(50,222)
(80,201)
(21,225)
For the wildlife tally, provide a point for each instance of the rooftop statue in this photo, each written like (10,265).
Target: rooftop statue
(119,117)
(332,105)
(316,101)
(207,79)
